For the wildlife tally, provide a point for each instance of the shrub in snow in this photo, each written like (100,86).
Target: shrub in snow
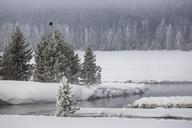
(66,103)
(91,73)
(15,61)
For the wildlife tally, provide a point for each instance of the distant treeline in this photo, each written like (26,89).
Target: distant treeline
(154,28)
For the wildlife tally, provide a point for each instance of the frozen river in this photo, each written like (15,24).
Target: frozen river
(118,102)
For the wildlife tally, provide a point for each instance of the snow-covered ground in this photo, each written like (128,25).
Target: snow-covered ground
(166,102)
(144,65)
(22,92)
(178,113)
(116,66)
(51,122)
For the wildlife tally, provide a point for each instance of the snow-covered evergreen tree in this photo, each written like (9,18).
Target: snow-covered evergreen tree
(56,58)
(98,74)
(0,66)
(89,68)
(61,66)
(16,58)
(66,103)
(178,40)
(70,66)
(46,59)
(74,65)
(161,34)
(169,37)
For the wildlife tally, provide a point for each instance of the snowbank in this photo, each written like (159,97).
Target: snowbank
(144,65)
(107,90)
(21,92)
(175,113)
(166,102)
(51,122)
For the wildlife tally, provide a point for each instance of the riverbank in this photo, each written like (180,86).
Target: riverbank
(24,92)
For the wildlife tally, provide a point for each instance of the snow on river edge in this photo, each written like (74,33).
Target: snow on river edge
(165,102)
(171,113)
(51,122)
(22,92)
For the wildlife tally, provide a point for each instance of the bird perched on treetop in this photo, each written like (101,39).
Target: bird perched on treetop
(50,23)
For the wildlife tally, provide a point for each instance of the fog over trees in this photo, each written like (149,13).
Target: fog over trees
(154,25)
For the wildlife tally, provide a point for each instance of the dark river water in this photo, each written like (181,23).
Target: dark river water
(118,102)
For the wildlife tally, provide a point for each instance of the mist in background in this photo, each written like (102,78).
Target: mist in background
(89,3)
(103,24)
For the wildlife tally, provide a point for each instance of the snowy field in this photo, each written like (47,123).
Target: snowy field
(144,65)
(166,102)
(21,92)
(51,122)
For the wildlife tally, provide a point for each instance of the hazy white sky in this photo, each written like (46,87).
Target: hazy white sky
(85,3)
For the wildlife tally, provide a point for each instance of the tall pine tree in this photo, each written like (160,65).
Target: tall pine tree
(15,61)
(70,68)
(56,58)
(46,59)
(91,73)
(75,68)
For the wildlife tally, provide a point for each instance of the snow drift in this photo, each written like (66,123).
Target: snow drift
(21,92)
(165,102)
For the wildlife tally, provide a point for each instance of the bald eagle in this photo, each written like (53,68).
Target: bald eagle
(50,23)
